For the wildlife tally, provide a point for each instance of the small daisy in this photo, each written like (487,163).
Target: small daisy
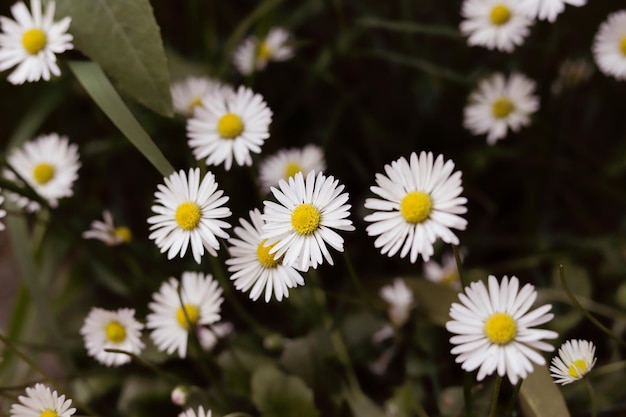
(3,213)
(254,54)
(494,329)
(202,301)
(546,9)
(49,164)
(400,299)
(254,269)
(105,329)
(188,94)
(288,162)
(188,212)
(445,274)
(420,203)
(576,358)
(31,42)
(499,104)
(107,232)
(300,225)
(180,395)
(192,413)
(40,401)
(229,125)
(494,24)
(609,45)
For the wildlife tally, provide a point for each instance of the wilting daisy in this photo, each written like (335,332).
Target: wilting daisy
(499,104)
(107,232)
(301,224)
(576,358)
(253,54)
(31,42)
(229,125)
(3,213)
(104,329)
(420,203)
(187,213)
(49,164)
(188,94)
(252,266)
(192,413)
(400,299)
(494,24)
(445,274)
(40,401)
(546,9)
(288,162)
(494,329)
(572,72)
(202,301)
(609,45)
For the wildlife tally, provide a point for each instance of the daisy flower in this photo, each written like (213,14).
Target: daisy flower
(227,125)
(187,213)
(49,164)
(107,232)
(400,299)
(253,54)
(188,94)
(209,336)
(494,329)
(576,358)
(252,266)
(3,213)
(494,24)
(192,413)
(420,203)
(499,104)
(609,45)
(445,274)
(301,224)
(41,401)
(202,301)
(288,162)
(31,42)
(546,9)
(105,329)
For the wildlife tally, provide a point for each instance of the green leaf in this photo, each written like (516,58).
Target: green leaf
(541,397)
(124,38)
(276,394)
(360,405)
(98,86)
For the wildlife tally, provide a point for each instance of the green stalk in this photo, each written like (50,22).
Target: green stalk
(357,283)
(459,263)
(513,400)
(592,397)
(171,377)
(494,397)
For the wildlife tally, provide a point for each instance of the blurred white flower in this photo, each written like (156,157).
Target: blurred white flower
(192,413)
(209,336)
(445,274)
(546,9)
(253,53)
(180,395)
(107,232)
(187,94)
(3,213)
(572,72)
(400,299)
(609,45)
(288,162)
(40,401)
(576,358)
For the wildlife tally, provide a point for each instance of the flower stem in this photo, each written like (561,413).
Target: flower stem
(513,400)
(592,397)
(173,378)
(355,280)
(459,268)
(494,398)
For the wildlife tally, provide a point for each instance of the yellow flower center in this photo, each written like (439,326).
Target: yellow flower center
(305,219)
(188,215)
(416,206)
(193,313)
(500,328)
(578,368)
(43,173)
(265,258)
(48,413)
(502,107)
(450,278)
(123,233)
(34,40)
(230,126)
(115,332)
(500,14)
(622,45)
(264,51)
(292,169)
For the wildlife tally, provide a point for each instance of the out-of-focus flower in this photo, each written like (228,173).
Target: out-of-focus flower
(288,162)
(187,94)
(107,232)
(609,45)
(209,336)
(400,299)
(180,395)
(499,104)
(253,54)
(192,413)
(445,274)
(576,358)
(547,9)
(41,401)
(31,42)
(3,213)
(572,72)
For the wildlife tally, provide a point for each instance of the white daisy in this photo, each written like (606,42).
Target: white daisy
(31,42)
(400,299)
(40,401)
(576,358)
(254,269)
(107,232)
(3,213)
(420,203)
(49,164)
(288,162)
(105,329)
(189,93)
(494,329)
(192,413)
(300,225)
(609,45)
(499,104)
(494,24)
(229,125)
(188,212)
(254,54)
(445,274)
(546,9)
(202,300)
